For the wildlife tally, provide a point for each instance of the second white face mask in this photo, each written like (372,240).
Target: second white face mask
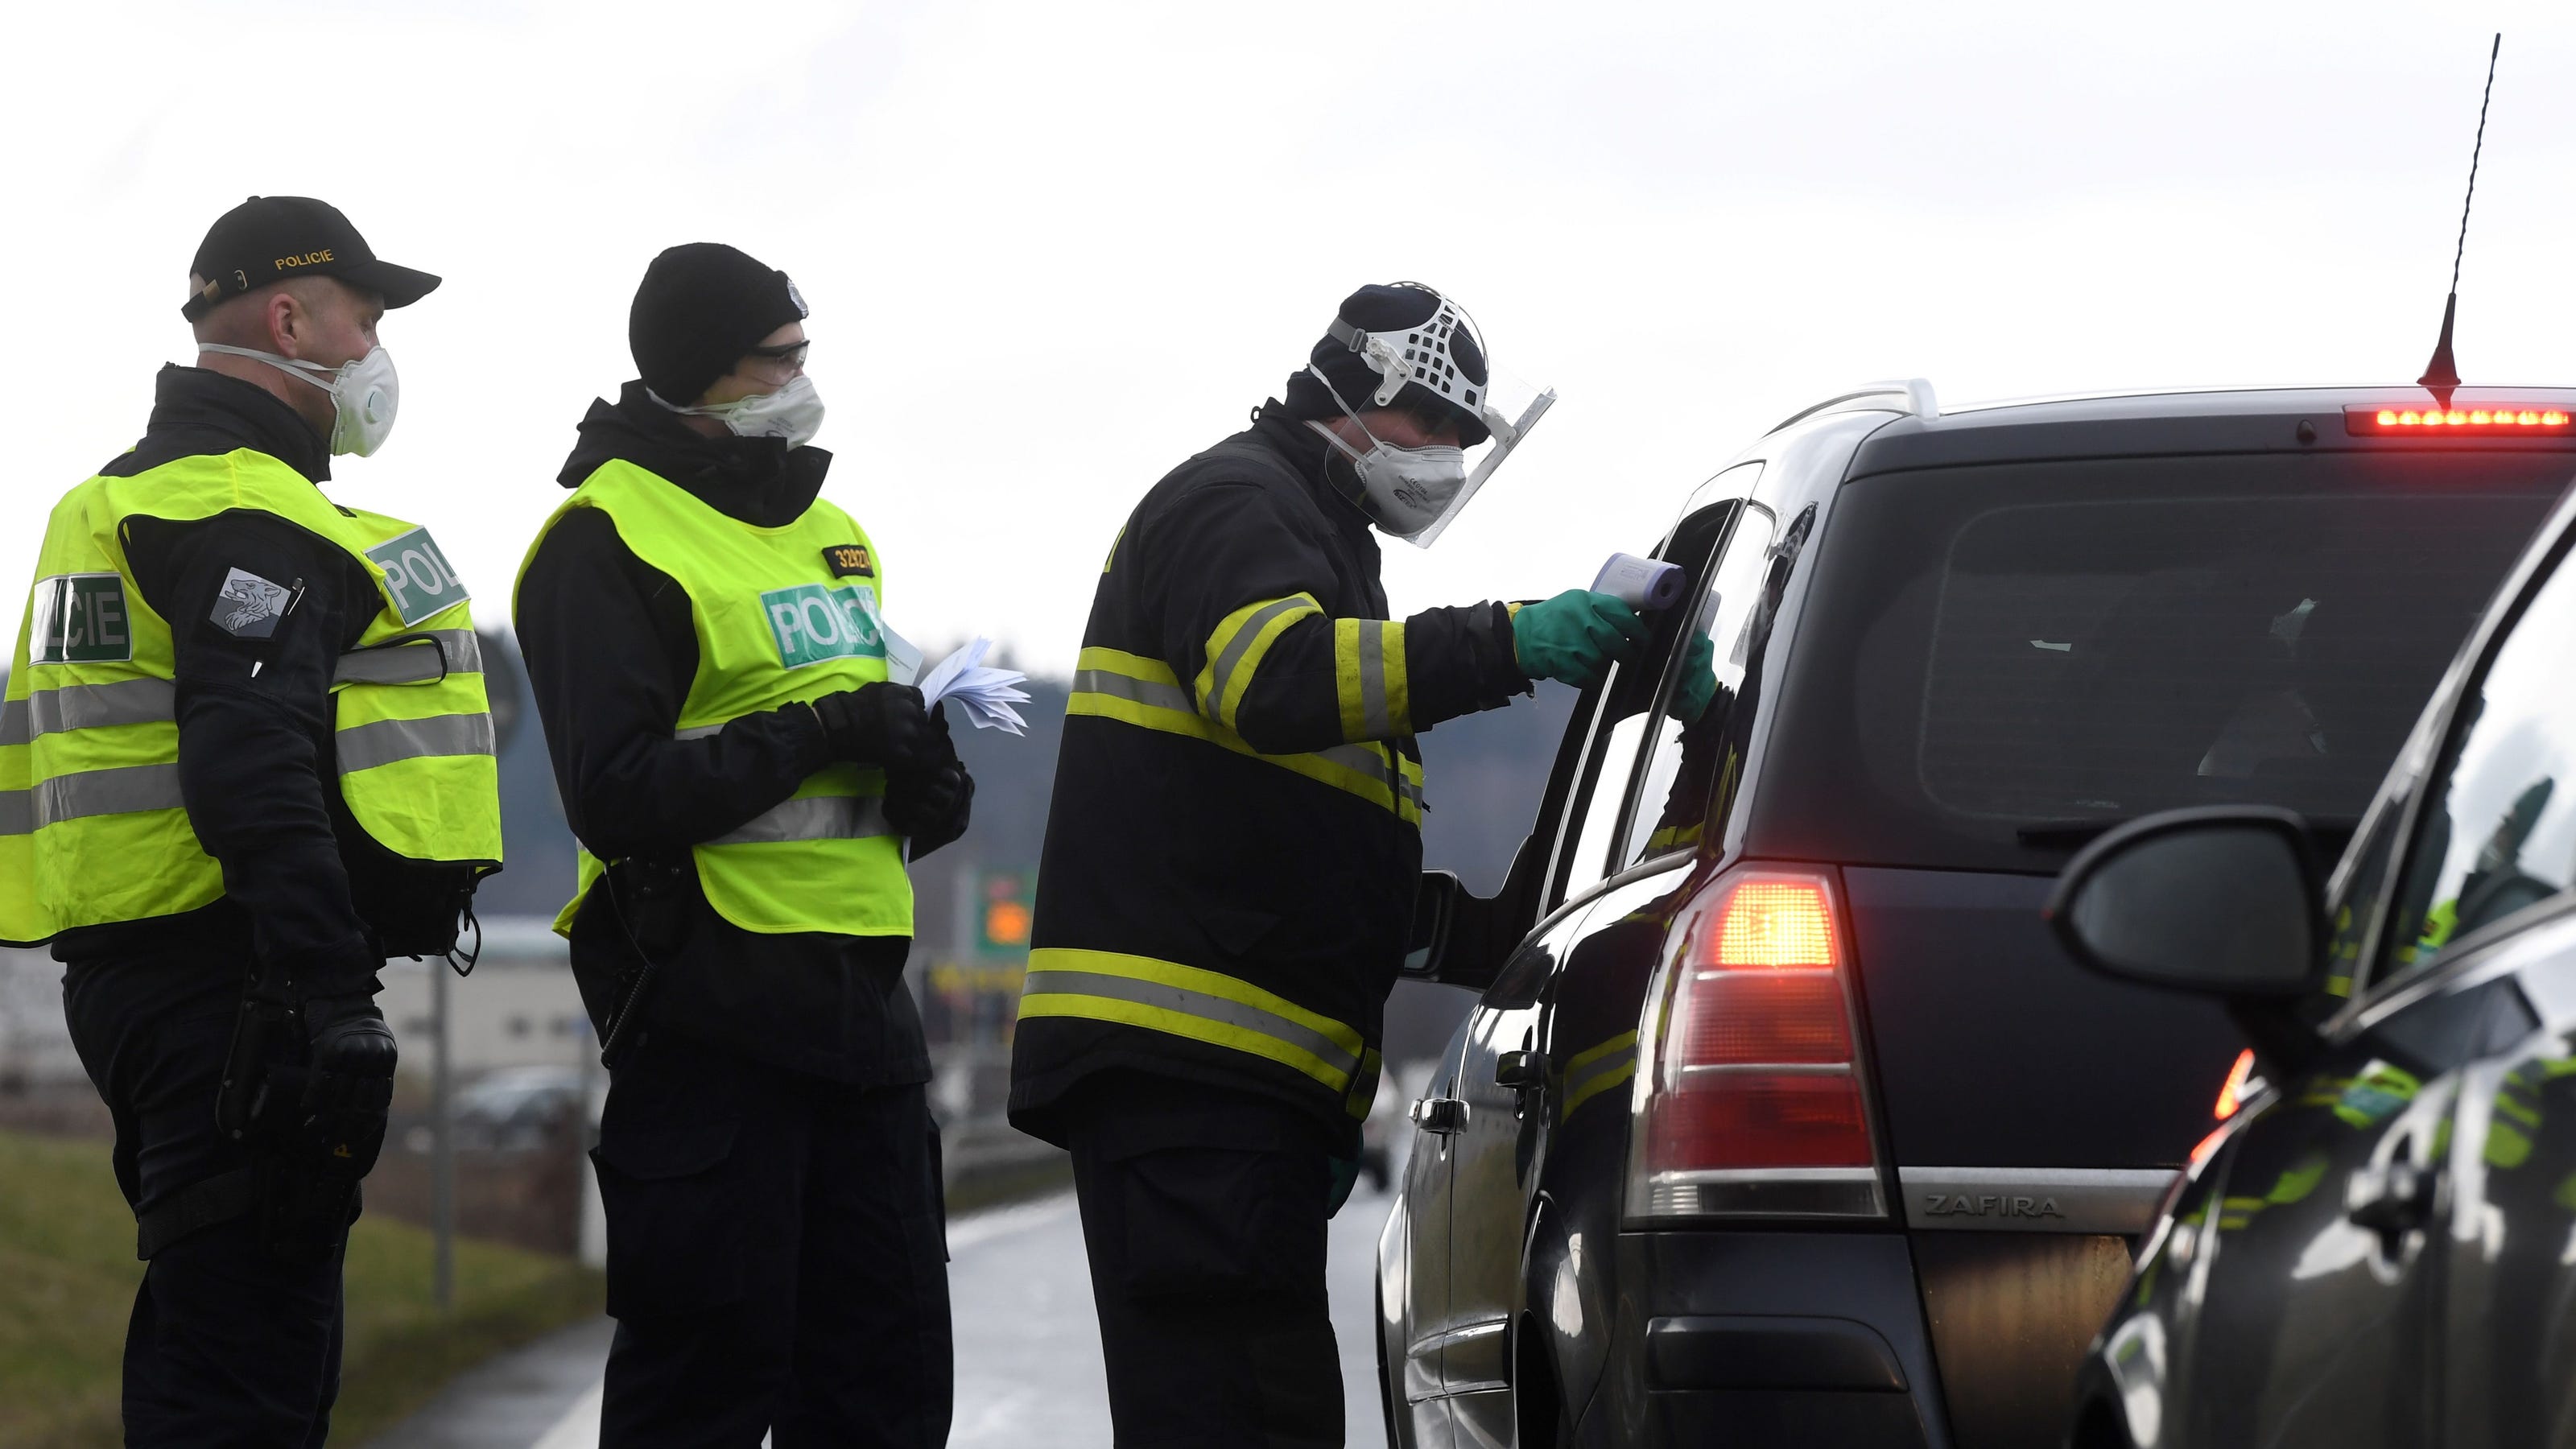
(1404,490)
(794,412)
(365,393)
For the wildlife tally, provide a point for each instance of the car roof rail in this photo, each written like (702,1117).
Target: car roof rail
(1916,391)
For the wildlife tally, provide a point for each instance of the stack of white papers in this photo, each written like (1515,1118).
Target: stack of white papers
(984,695)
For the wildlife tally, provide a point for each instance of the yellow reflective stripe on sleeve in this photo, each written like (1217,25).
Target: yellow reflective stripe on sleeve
(1191,1002)
(1141,691)
(1235,649)
(1369,677)
(1594,1070)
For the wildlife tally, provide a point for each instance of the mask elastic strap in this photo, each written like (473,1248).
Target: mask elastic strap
(288,365)
(723,410)
(1336,439)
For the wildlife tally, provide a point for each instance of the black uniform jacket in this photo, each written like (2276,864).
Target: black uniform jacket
(1202,849)
(610,654)
(255,755)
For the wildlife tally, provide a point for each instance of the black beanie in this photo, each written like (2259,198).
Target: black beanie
(699,309)
(1384,309)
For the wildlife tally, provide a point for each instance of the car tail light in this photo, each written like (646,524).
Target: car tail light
(2487,418)
(2232,1092)
(1752,1104)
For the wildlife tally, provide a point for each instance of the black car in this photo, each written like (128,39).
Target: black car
(2378,1246)
(1782,1116)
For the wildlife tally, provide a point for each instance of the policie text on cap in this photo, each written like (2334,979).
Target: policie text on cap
(272,238)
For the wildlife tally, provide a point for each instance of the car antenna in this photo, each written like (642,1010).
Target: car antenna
(2442,374)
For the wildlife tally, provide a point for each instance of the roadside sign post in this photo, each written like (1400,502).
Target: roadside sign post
(442,1148)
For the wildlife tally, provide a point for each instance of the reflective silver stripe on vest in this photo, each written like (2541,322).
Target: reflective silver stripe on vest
(697,732)
(1241,644)
(121,791)
(817,817)
(384,741)
(1164,696)
(415,662)
(1195,1003)
(85,707)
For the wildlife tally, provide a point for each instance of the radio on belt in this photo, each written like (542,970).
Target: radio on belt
(1640,583)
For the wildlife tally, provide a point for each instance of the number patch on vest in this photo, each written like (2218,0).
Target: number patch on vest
(812,623)
(846,560)
(417,576)
(80,619)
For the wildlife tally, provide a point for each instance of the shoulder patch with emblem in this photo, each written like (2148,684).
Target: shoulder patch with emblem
(249,606)
(849,560)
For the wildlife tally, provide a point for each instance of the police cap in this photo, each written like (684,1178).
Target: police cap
(272,238)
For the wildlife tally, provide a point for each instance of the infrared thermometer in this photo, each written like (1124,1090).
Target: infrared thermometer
(1640,583)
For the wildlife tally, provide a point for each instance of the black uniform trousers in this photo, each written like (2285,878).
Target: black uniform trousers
(230,1344)
(777,1257)
(1203,1212)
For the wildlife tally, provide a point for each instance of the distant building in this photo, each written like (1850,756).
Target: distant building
(518,1009)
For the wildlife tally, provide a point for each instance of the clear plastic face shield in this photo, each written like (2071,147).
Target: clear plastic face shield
(1415,492)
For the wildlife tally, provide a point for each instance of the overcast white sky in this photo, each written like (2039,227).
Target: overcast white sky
(1053,249)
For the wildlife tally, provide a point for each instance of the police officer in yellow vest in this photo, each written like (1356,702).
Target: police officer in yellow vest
(706,640)
(245,755)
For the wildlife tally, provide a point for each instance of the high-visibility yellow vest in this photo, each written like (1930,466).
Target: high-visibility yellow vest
(92,826)
(781,615)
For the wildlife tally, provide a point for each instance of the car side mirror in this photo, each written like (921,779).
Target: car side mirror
(1452,931)
(2224,900)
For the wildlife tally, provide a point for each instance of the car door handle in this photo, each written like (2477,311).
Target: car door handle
(2395,1201)
(1440,1115)
(1520,1071)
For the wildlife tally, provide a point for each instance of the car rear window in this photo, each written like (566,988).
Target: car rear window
(2017,656)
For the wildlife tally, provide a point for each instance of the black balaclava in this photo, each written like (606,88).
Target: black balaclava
(1383,309)
(698,310)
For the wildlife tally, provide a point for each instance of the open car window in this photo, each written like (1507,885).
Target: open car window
(1667,807)
(1620,728)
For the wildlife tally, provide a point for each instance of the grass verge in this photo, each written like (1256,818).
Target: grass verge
(67,1260)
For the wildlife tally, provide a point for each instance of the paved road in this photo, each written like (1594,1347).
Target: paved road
(1028,1347)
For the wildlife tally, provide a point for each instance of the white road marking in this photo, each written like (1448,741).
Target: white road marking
(579,1427)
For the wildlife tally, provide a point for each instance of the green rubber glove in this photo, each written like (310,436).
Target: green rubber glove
(1346,1175)
(1575,636)
(1698,684)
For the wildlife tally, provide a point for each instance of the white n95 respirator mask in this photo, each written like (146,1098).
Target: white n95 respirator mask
(1403,490)
(365,393)
(794,412)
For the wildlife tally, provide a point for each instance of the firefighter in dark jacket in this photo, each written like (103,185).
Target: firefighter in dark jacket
(245,756)
(705,640)
(1232,856)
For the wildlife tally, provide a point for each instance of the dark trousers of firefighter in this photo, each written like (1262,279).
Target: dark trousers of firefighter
(1203,1214)
(777,1258)
(229,1344)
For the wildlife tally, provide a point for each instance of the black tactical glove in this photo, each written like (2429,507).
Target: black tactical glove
(881,724)
(929,807)
(348,1084)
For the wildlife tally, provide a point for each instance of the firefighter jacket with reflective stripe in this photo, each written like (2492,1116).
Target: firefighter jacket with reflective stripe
(782,615)
(93,829)
(1235,840)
